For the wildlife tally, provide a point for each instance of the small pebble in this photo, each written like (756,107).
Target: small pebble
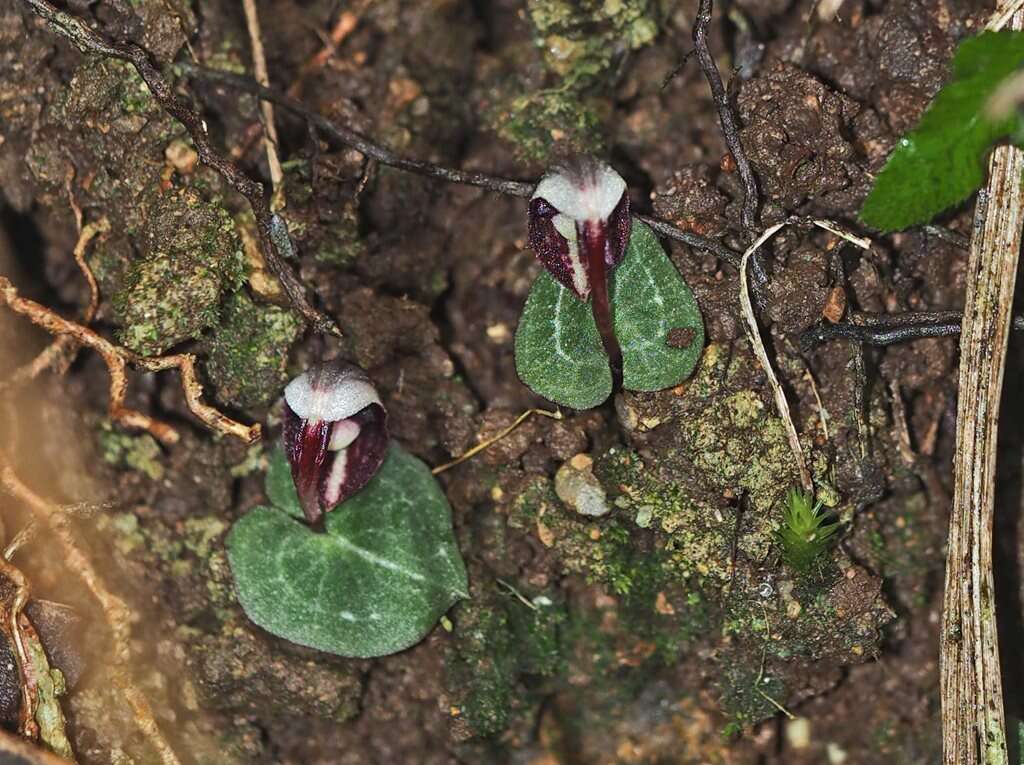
(578,487)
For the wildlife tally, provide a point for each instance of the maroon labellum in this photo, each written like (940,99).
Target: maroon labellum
(335,435)
(579,228)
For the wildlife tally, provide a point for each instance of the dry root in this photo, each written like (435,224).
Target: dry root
(116,359)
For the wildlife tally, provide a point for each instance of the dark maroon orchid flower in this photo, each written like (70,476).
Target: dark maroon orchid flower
(579,229)
(335,435)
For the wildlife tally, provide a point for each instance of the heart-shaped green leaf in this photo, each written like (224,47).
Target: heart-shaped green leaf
(375,582)
(558,349)
(279,486)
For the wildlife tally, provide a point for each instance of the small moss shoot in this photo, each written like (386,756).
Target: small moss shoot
(806,532)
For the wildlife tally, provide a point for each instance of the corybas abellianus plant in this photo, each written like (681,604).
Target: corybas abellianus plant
(335,435)
(579,226)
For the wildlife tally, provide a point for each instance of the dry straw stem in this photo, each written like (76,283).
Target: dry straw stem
(754,335)
(117,358)
(555,415)
(973,724)
(259,66)
(115,612)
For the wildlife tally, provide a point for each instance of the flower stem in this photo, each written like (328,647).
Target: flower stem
(595,235)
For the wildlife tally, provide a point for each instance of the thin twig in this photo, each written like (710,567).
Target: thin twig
(89,41)
(358,142)
(259,68)
(385,156)
(694,240)
(555,415)
(730,130)
(116,359)
(892,328)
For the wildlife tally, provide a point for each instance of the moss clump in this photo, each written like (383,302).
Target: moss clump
(249,350)
(140,453)
(326,227)
(499,641)
(582,38)
(538,123)
(193,256)
(746,693)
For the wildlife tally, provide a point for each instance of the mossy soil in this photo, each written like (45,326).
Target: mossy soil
(670,629)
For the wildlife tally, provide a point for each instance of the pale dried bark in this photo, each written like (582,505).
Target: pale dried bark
(973,725)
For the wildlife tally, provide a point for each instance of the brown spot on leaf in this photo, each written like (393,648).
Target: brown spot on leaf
(680,337)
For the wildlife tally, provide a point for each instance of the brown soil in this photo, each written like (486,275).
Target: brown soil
(426,281)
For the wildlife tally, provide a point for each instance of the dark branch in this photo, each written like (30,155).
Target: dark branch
(694,240)
(725,115)
(385,156)
(870,329)
(359,142)
(89,41)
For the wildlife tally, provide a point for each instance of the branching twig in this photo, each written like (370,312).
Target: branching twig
(90,41)
(116,359)
(61,352)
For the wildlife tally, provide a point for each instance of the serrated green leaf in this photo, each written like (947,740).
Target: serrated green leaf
(942,161)
(558,349)
(279,486)
(374,583)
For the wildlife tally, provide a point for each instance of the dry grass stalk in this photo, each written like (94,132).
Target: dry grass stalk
(973,724)
(754,335)
(259,65)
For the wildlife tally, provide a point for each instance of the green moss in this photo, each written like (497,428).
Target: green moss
(582,38)
(249,350)
(745,693)
(193,256)
(537,124)
(602,552)
(807,531)
(140,453)
(341,244)
(485,667)
(333,239)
